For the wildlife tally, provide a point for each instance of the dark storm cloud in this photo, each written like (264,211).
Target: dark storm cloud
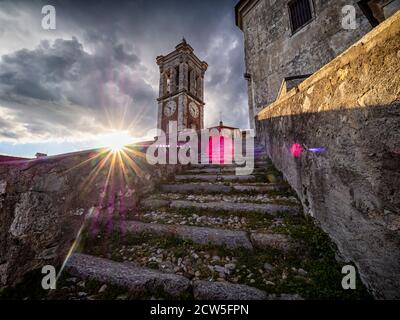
(102,73)
(67,84)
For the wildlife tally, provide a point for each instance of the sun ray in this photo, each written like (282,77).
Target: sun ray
(132,164)
(93,174)
(98,154)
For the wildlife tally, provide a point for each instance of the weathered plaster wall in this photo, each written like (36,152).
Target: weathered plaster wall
(351,107)
(272,52)
(43,203)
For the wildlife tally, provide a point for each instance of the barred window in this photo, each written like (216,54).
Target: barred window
(300,13)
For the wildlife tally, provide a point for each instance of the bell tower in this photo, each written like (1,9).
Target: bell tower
(181,93)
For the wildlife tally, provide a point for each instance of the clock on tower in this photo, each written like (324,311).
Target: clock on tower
(181,96)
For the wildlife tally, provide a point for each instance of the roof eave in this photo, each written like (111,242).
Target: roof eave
(239,7)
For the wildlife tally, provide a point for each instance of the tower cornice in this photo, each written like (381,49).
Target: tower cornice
(177,93)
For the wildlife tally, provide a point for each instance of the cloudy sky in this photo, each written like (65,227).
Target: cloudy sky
(69,89)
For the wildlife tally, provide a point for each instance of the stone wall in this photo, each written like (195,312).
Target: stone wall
(350,110)
(273,52)
(44,202)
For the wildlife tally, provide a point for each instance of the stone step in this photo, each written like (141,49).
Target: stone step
(138,280)
(277,241)
(261,239)
(232,198)
(218,161)
(260,188)
(209,170)
(231,239)
(196,188)
(271,209)
(243,206)
(217,236)
(257,163)
(212,165)
(212,178)
(200,235)
(207,290)
(219,188)
(143,282)
(217,170)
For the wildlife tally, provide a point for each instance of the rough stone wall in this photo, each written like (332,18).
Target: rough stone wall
(272,52)
(351,107)
(44,202)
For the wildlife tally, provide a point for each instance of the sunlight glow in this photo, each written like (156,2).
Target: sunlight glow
(116,141)
(111,170)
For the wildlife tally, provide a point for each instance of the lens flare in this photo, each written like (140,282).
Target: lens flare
(116,141)
(317,150)
(296,150)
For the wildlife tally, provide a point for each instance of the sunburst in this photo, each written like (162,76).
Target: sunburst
(114,163)
(117,140)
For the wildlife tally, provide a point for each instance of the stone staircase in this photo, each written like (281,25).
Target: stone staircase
(208,235)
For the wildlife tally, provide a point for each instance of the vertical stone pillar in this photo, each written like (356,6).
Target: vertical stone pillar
(183,83)
(161,86)
(159,116)
(250,90)
(173,84)
(201,117)
(160,94)
(182,70)
(181,107)
(201,86)
(185,75)
(192,76)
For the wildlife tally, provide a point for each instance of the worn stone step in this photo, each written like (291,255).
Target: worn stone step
(203,219)
(207,290)
(219,188)
(243,206)
(218,170)
(196,188)
(277,241)
(200,235)
(260,188)
(212,178)
(212,165)
(206,235)
(138,280)
(234,198)
(271,209)
(209,170)
(259,162)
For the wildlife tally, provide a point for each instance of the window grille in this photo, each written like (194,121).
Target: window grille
(300,13)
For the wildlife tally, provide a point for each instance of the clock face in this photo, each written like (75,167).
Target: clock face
(169,108)
(194,110)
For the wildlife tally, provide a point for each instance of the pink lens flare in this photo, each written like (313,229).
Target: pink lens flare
(296,150)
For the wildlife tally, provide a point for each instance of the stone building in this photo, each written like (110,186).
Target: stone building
(335,135)
(181,96)
(286,41)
